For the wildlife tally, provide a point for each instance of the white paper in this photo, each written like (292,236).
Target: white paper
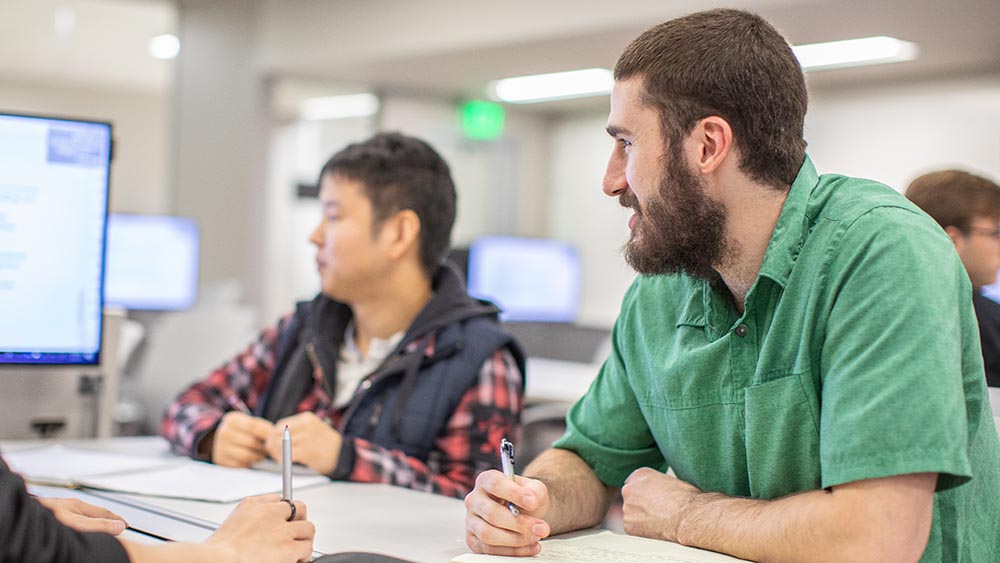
(188,479)
(608,547)
(59,465)
(171,477)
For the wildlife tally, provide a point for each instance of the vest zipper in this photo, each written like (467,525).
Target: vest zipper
(314,361)
(376,414)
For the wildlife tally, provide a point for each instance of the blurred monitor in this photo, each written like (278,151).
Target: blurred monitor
(53,208)
(152,262)
(530,279)
(993,290)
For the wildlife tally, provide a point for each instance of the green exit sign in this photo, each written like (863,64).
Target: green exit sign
(481,120)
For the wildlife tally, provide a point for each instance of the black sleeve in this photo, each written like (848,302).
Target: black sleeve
(30,532)
(988,315)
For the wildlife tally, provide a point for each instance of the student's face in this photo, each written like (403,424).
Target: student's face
(979,249)
(349,255)
(676,227)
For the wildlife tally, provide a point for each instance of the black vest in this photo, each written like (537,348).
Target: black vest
(412,395)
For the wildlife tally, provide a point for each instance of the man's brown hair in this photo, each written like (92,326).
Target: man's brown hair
(954,197)
(732,64)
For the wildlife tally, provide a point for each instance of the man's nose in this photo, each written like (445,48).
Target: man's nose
(614,183)
(316,236)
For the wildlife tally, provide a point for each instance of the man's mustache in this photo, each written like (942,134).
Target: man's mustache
(629,200)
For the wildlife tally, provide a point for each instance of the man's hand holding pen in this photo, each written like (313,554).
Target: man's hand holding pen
(503,513)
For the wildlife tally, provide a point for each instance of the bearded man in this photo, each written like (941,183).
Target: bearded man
(801,350)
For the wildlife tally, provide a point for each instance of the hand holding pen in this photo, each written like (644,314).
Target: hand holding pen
(504,513)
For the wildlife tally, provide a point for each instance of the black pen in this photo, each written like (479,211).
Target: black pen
(507,463)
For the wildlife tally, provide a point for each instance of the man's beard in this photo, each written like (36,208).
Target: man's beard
(680,230)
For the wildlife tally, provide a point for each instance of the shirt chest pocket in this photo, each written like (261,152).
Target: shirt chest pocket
(781,420)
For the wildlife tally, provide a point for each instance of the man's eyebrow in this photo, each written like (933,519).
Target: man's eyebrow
(616,131)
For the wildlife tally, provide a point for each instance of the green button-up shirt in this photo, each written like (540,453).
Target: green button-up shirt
(857,357)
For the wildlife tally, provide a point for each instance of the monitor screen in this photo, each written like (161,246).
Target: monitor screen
(53,207)
(152,262)
(993,290)
(530,279)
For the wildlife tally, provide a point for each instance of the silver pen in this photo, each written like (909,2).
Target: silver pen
(286,465)
(507,463)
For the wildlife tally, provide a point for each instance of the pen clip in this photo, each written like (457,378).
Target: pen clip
(507,463)
(507,456)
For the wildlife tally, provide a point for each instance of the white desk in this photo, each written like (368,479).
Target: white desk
(356,517)
(376,518)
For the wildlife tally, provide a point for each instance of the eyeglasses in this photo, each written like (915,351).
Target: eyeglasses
(992,233)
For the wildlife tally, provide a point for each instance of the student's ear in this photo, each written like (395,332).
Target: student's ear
(713,138)
(401,232)
(956,234)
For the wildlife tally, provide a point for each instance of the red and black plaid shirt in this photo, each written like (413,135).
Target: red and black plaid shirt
(469,444)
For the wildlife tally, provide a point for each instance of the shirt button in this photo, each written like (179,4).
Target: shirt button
(366,384)
(741,330)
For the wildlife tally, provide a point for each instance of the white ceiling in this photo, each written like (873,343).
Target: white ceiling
(107,48)
(454,47)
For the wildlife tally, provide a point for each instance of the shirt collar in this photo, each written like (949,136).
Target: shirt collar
(787,237)
(377,347)
(782,250)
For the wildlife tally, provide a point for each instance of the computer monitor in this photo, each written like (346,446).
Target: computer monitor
(992,291)
(152,262)
(53,208)
(531,279)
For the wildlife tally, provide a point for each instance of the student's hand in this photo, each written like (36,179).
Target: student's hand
(315,443)
(654,503)
(258,530)
(84,517)
(239,439)
(491,528)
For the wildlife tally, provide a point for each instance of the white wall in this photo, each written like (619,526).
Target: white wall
(220,131)
(896,134)
(580,213)
(889,134)
(502,185)
(298,151)
(139,172)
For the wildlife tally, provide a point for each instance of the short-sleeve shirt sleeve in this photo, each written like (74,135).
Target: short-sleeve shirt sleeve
(606,427)
(898,345)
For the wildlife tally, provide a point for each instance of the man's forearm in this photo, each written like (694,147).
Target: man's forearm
(855,522)
(168,552)
(577,498)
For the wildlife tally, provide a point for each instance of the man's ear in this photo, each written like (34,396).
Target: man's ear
(401,232)
(956,234)
(713,139)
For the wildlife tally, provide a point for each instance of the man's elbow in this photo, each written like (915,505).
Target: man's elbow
(886,550)
(886,519)
(887,542)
